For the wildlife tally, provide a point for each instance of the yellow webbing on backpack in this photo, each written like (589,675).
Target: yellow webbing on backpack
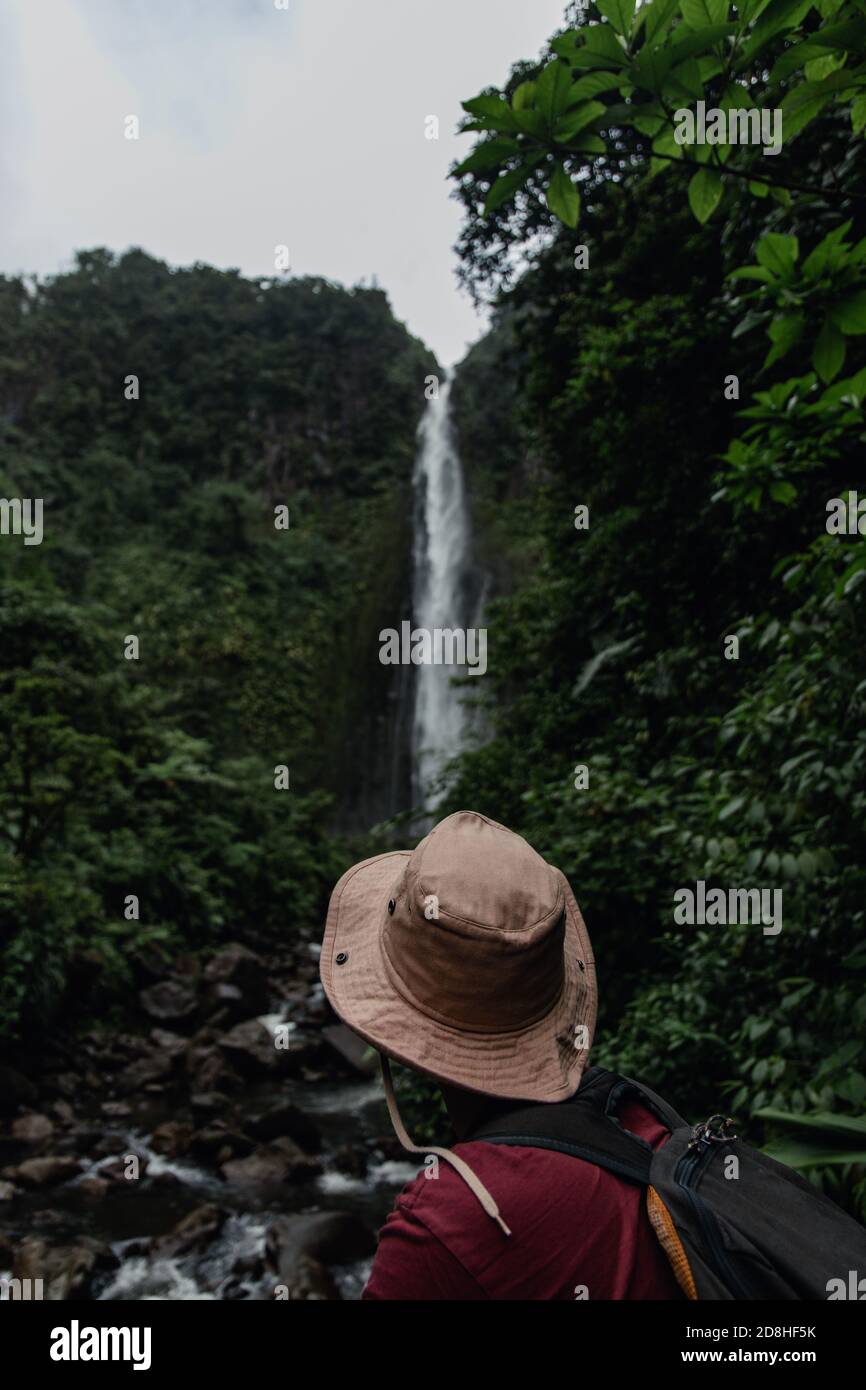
(666,1231)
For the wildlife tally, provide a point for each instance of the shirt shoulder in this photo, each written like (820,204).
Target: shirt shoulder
(574,1227)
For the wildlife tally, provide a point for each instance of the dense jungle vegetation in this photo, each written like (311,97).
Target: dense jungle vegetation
(609,386)
(155,777)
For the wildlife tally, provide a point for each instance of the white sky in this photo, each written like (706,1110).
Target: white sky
(258,127)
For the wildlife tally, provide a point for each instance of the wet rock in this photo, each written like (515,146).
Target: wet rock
(216,1143)
(206,1103)
(172,1044)
(256,1051)
(298,1248)
(146,1070)
(195,1232)
(63,1111)
(15,1089)
(171,1138)
(226,1003)
(32,1129)
(209,1071)
(284,1120)
(278,1162)
(250,1047)
(44,1172)
(67,1271)
(8,1191)
(307,1281)
(116,1109)
(169,1001)
(93,1189)
(241,969)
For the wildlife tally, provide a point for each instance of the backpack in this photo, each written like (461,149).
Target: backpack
(765,1234)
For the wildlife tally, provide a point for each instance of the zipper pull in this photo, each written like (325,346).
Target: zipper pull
(715,1130)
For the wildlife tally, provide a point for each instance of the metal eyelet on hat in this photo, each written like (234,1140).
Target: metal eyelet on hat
(341,957)
(391,906)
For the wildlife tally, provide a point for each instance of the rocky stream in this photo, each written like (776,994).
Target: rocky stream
(194,1158)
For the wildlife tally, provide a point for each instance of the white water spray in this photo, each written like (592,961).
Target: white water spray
(442,567)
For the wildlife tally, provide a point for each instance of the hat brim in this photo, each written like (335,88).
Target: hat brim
(540,1062)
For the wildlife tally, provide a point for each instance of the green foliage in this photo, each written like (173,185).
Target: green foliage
(155,777)
(706,519)
(789,55)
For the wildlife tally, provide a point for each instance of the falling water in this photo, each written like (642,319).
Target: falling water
(441,591)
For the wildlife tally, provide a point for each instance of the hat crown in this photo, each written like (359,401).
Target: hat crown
(475,939)
(482,874)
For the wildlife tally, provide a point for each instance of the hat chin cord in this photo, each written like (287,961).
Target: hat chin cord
(473,1182)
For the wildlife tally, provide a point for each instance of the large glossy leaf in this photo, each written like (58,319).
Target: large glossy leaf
(599,39)
(829,355)
(822,1121)
(491,113)
(563,198)
(690,41)
(591,85)
(619,12)
(779,17)
(778,252)
(698,14)
(492,154)
(850,313)
(808,99)
(575,121)
(655,16)
(801,1154)
(705,191)
(551,90)
(507,185)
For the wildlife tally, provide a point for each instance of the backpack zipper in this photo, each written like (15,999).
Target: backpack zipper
(689,1166)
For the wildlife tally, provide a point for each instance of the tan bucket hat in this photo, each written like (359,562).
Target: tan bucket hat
(467,959)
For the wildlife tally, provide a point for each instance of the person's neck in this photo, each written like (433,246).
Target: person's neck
(468,1109)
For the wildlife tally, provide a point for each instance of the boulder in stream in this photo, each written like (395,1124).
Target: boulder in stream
(32,1129)
(44,1172)
(67,1271)
(284,1120)
(169,1001)
(171,1138)
(278,1162)
(193,1233)
(242,970)
(299,1248)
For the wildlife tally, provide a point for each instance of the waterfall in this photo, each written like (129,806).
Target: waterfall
(442,591)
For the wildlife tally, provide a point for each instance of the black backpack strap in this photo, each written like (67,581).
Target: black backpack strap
(585,1126)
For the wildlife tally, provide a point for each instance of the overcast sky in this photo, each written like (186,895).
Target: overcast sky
(258,126)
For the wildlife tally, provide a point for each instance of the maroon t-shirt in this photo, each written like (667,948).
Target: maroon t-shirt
(574,1227)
